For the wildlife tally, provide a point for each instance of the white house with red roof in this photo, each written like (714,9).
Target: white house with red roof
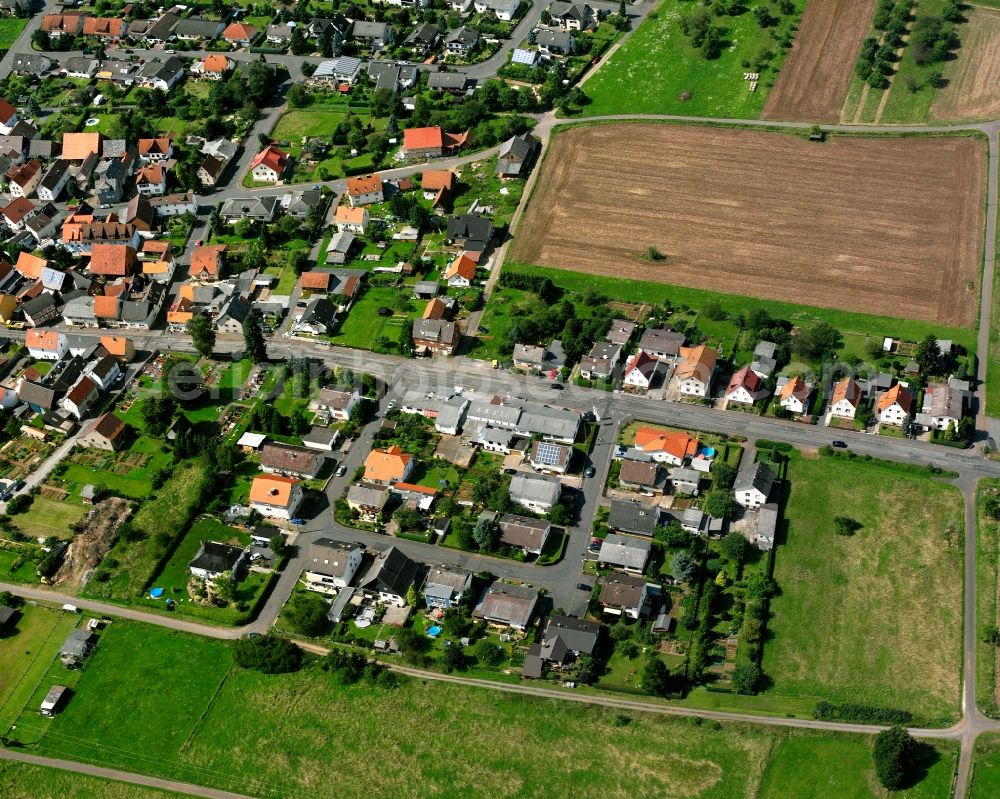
(794,395)
(894,405)
(745,387)
(643,371)
(46,345)
(8,117)
(269,165)
(461,272)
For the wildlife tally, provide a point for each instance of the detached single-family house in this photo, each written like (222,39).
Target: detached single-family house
(390,465)
(350,219)
(460,272)
(764,361)
(794,395)
(81,397)
(507,605)
(215,559)
(435,335)
(643,372)
(631,516)
(431,142)
(515,155)
(625,552)
(572,16)
(600,362)
(664,345)
(505,10)
(389,578)
(365,190)
(239,34)
(535,492)
(546,456)
(745,387)
(565,639)
(624,595)
(276,496)
(107,432)
(338,403)
(694,372)
(277,458)
(368,501)
(525,533)
(214,66)
(753,485)
(895,405)
(666,446)
(331,565)
(846,398)
(46,345)
(944,405)
(644,477)
(554,42)
(446,586)
(207,261)
(269,165)
(462,40)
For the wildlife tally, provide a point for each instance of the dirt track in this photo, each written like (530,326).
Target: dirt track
(813,81)
(881,226)
(974,76)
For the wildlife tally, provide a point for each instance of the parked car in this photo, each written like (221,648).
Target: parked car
(557,386)
(590,471)
(341,470)
(838,444)
(18,485)
(584,587)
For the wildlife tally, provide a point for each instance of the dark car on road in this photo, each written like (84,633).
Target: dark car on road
(838,444)
(584,587)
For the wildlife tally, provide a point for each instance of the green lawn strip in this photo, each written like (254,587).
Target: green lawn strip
(650,71)
(161,702)
(846,322)
(10,29)
(986,774)
(898,573)
(175,575)
(987,554)
(50,517)
(38,782)
(993,361)
(132,561)
(818,765)
(26,654)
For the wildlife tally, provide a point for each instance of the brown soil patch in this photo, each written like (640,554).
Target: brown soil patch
(878,226)
(812,83)
(90,545)
(974,76)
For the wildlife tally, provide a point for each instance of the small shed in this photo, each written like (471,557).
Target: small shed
(50,704)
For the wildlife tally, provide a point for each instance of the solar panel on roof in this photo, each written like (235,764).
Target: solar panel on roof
(548,454)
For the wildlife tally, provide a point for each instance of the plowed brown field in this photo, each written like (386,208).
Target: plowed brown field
(881,226)
(974,77)
(813,80)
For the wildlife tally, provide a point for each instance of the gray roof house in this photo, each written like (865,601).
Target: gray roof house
(753,484)
(259,209)
(625,552)
(331,565)
(535,492)
(565,638)
(515,154)
(194,28)
(631,516)
(524,532)
(507,605)
(446,585)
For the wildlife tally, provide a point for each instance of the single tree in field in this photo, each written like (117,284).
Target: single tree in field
(894,753)
(745,678)
(199,327)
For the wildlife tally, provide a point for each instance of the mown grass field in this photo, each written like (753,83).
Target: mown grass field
(48,517)
(816,766)
(986,776)
(26,654)
(649,72)
(182,709)
(876,617)
(135,482)
(24,781)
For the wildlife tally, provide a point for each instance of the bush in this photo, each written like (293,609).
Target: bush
(20,504)
(268,654)
(307,615)
(866,714)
